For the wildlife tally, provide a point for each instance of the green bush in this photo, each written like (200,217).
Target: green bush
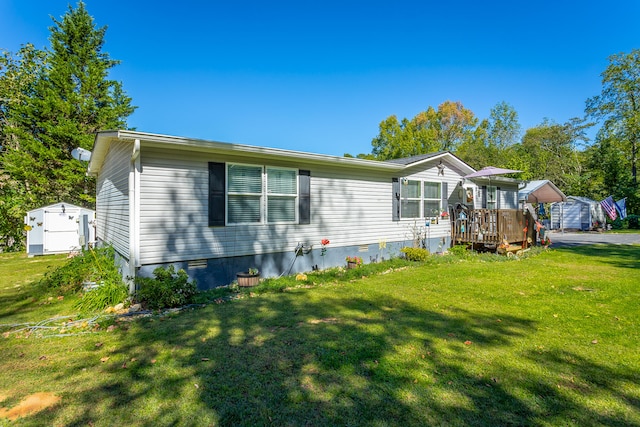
(617,224)
(415,254)
(93,265)
(633,221)
(459,250)
(168,289)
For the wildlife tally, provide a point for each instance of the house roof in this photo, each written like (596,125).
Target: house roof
(416,159)
(104,139)
(423,158)
(541,191)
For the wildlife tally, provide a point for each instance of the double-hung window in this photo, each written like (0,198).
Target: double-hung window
(244,194)
(257,194)
(432,199)
(411,198)
(492,197)
(282,194)
(420,199)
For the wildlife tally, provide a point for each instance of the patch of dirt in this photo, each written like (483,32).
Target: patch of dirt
(29,405)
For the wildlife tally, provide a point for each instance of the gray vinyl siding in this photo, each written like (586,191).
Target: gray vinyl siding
(348,207)
(112,199)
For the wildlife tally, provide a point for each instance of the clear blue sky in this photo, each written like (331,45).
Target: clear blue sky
(319,76)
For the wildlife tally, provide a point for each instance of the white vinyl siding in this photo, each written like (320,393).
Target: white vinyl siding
(348,206)
(112,199)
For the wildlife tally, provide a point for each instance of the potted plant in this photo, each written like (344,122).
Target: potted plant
(249,278)
(353,262)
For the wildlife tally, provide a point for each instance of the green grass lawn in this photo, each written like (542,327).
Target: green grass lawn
(547,340)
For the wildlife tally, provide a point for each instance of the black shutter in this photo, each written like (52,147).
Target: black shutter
(484,197)
(395,199)
(497,197)
(216,194)
(304,206)
(445,196)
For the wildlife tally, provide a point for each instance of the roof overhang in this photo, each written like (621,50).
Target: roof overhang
(104,139)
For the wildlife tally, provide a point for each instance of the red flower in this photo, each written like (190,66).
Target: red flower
(324,242)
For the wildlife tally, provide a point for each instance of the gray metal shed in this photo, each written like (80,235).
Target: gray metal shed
(59,228)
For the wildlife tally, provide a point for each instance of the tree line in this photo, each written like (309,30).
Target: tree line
(560,152)
(55,99)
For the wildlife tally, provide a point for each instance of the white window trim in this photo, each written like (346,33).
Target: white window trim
(404,199)
(492,189)
(295,196)
(264,195)
(422,199)
(432,199)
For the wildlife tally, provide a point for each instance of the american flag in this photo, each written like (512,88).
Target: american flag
(609,207)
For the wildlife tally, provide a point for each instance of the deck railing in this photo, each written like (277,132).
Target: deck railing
(489,226)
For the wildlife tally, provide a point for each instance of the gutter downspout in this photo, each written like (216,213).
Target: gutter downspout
(134,215)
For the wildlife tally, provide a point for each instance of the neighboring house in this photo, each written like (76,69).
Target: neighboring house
(59,228)
(577,213)
(215,209)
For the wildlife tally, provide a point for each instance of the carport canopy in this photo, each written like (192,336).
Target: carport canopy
(541,191)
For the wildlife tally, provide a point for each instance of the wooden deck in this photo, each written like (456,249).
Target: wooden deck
(491,227)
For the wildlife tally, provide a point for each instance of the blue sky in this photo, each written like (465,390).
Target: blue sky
(321,76)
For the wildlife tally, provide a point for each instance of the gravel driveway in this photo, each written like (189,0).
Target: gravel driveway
(568,239)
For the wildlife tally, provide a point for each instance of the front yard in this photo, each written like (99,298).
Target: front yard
(547,340)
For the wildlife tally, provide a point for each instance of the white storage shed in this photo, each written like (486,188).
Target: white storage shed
(59,228)
(579,213)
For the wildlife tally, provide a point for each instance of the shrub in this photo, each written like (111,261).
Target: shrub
(93,265)
(168,289)
(617,224)
(459,250)
(633,221)
(415,254)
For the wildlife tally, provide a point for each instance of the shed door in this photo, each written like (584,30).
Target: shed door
(585,217)
(60,231)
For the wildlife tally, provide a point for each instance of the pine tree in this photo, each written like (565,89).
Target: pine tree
(71,99)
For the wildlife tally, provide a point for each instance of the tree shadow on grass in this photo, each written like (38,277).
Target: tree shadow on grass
(303,358)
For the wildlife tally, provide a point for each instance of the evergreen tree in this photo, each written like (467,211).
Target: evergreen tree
(70,98)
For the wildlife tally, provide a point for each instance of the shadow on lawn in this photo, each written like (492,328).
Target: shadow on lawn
(627,256)
(288,360)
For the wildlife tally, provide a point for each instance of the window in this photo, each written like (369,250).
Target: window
(253,194)
(420,199)
(244,194)
(411,198)
(256,194)
(282,191)
(432,199)
(492,197)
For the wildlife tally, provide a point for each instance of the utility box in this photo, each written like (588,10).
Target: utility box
(59,228)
